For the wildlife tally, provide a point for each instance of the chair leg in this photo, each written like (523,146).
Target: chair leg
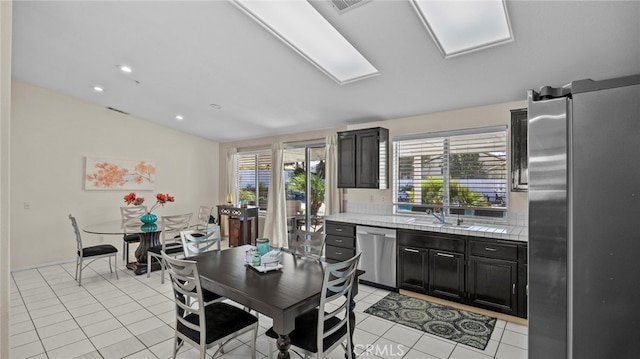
(115,264)
(124,249)
(80,274)
(148,265)
(253,342)
(161,270)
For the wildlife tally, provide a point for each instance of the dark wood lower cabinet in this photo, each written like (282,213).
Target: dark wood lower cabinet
(412,273)
(482,272)
(446,275)
(493,283)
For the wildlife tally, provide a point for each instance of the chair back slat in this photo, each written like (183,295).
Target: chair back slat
(77,233)
(307,244)
(172,225)
(195,245)
(187,292)
(132,212)
(204,212)
(338,283)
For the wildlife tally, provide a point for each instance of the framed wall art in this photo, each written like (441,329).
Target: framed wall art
(117,174)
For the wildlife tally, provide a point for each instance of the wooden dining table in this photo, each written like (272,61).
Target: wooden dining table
(280,294)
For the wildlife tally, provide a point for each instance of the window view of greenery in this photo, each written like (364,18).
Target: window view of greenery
(466,174)
(299,197)
(254,171)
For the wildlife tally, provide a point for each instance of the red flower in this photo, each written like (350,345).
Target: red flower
(161,199)
(132,199)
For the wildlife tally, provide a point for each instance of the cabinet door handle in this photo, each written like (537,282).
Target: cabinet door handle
(338,240)
(513,289)
(411,250)
(338,253)
(445,255)
(490,249)
(338,229)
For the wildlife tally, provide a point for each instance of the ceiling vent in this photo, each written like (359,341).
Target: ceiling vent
(345,5)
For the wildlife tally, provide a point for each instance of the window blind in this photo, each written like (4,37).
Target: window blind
(254,175)
(463,169)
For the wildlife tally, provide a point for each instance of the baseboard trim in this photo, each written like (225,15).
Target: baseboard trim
(505,317)
(36,266)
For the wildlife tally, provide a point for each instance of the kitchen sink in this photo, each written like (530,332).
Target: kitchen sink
(432,223)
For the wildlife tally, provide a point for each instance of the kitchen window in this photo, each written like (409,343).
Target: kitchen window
(460,172)
(254,175)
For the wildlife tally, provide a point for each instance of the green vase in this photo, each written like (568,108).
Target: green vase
(149,218)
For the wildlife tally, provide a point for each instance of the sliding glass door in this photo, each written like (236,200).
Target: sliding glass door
(304,173)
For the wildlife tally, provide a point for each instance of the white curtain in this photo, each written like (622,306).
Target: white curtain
(332,194)
(275,226)
(232,174)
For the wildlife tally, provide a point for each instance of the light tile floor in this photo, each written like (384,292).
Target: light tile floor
(51,317)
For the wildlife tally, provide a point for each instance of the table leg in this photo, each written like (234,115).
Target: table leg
(283,343)
(147,240)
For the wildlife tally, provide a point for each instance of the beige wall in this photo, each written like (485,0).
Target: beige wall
(5,128)
(52,133)
(484,116)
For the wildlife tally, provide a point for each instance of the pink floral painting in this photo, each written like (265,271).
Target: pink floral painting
(101,174)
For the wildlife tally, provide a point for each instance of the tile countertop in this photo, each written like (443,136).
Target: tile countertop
(487,230)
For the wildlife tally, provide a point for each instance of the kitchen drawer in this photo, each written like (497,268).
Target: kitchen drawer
(494,250)
(338,254)
(440,241)
(340,229)
(337,241)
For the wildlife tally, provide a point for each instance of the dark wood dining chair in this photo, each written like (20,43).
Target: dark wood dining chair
(204,326)
(319,331)
(92,253)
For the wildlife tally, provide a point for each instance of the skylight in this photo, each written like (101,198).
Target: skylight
(460,27)
(301,27)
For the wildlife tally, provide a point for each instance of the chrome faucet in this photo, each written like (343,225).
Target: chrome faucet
(441,218)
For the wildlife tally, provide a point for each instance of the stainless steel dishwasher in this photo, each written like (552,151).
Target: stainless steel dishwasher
(378,259)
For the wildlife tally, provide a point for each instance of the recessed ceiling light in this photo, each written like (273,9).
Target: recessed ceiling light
(299,25)
(460,27)
(97,88)
(215,106)
(179,117)
(125,68)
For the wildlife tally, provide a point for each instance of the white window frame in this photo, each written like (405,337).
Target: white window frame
(497,209)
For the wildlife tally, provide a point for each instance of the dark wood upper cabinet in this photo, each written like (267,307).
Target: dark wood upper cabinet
(363,158)
(519,158)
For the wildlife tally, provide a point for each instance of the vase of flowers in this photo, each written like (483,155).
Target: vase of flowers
(149,217)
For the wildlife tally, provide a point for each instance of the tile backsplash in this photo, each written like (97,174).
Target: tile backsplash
(513,218)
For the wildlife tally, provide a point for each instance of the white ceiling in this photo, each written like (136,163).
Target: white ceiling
(188,55)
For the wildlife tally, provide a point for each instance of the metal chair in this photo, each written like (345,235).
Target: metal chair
(319,331)
(92,253)
(204,213)
(128,213)
(170,240)
(204,326)
(196,242)
(307,244)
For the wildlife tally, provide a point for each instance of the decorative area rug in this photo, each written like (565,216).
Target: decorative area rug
(454,324)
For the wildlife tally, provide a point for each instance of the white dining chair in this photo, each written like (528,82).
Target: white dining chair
(170,244)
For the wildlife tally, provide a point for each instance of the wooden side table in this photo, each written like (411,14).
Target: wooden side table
(244,215)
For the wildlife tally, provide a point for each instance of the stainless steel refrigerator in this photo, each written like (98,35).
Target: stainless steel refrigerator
(584,220)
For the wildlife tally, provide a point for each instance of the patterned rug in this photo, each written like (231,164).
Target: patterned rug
(446,322)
